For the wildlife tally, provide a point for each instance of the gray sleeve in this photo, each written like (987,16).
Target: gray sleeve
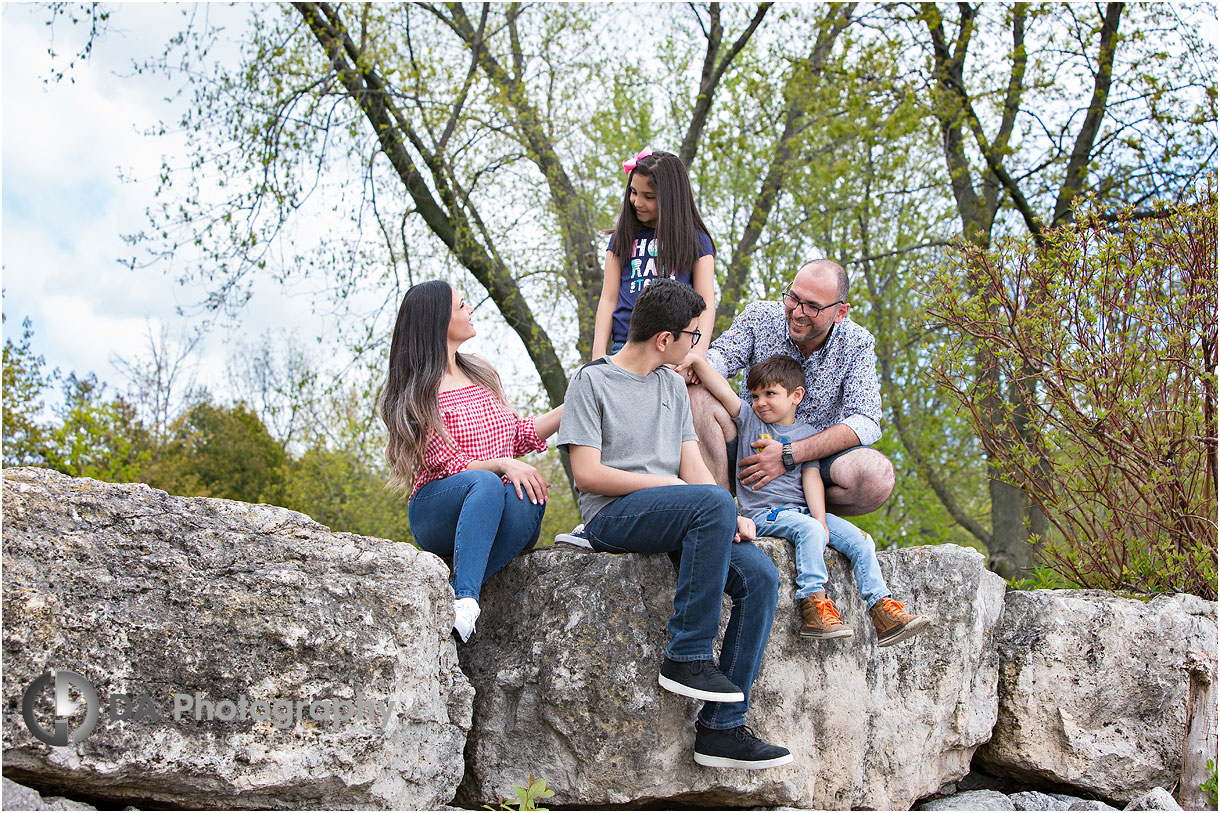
(581,423)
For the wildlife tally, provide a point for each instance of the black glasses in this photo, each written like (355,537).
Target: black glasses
(811,310)
(695,334)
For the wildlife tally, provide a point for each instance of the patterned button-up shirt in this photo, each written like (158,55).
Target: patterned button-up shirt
(840,378)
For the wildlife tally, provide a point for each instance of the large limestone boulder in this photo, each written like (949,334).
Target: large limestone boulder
(205,601)
(1094,689)
(565,663)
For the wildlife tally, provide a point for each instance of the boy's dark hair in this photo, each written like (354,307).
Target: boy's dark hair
(664,305)
(783,370)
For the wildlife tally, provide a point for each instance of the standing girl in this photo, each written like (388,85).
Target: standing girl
(453,436)
(659,233)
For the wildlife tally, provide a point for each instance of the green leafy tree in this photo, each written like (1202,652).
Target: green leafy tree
(1002,141)
(341,490)
(340,479)
(219,451)
(25,435)
(95,437)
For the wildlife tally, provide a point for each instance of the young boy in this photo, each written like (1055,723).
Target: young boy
(644,488)
(793,506)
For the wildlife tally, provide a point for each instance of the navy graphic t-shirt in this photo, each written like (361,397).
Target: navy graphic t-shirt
(638,273)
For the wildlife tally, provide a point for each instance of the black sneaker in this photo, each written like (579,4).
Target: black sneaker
(700,680)
(736,748)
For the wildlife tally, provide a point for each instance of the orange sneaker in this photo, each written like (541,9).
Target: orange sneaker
(894,623)
(821,618)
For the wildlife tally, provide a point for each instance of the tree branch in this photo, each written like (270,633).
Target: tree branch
(713,71)
(1082,150)
(366,88)
(837,18)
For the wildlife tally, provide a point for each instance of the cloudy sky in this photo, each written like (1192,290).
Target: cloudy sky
(79,173)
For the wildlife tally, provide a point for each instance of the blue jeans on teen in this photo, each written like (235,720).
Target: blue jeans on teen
(700,522)
(477,519)
(799,527)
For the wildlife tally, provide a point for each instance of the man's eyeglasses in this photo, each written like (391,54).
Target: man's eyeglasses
(811,310)
(696,335)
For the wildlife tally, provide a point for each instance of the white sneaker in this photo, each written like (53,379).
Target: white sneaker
(576,537)
(465,613)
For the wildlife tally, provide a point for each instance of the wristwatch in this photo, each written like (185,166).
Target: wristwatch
(785,455)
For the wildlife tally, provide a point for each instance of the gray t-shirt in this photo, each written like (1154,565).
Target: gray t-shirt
(783,491)
(638,422)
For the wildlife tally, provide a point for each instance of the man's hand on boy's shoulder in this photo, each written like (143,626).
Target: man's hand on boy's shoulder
(764,465)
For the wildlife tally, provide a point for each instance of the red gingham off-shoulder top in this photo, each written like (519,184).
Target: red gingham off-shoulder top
(480,428)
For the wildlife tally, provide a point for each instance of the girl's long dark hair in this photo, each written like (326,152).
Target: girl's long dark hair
(678,220)
(419,353)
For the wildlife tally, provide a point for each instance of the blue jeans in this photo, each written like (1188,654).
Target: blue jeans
(477,519)
(797,526)
(700,522)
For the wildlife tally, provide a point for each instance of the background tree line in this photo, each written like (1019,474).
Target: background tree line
(482,143)
(189,444)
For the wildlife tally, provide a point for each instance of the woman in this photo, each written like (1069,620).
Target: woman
(452,435)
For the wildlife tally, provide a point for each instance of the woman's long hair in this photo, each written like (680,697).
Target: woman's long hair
(678,220)
(419,353)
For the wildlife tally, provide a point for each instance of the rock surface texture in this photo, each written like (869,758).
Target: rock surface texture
(19,797)
(565,664)
(209,600)
(1094,690)
(970,800)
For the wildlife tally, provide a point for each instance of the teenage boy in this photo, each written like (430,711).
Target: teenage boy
(644,488)
(793,505)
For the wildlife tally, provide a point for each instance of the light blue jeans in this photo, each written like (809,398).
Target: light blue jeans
(807,534)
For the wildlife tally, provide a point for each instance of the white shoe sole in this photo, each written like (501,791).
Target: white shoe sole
(909,631)
(827,636)
(699,694)
(725,762)
(575,541)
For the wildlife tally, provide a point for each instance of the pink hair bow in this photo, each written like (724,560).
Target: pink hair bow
(631,163)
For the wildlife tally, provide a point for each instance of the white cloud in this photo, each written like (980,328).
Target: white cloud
(66,145)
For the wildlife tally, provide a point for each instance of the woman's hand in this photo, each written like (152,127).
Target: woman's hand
(524,476)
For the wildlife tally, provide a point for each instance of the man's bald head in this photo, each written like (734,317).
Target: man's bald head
(817,268)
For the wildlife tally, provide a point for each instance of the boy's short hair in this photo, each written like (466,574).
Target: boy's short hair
(779,369)
(665,305)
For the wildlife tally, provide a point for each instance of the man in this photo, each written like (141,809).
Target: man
(842,396)
(644,488)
